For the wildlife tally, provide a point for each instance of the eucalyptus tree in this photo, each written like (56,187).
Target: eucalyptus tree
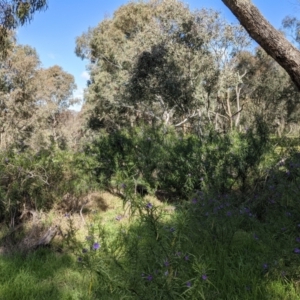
(160,62)
(18,89)
(54,97)
(268,91)
(32,99)
(270,39)
(14,13)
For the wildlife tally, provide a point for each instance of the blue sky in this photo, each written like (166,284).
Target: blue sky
(53,32)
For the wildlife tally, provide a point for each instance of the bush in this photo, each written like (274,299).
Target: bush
(161,159)
(38,180)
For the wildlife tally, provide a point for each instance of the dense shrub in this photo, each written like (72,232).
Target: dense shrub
(38,180)
(161,159)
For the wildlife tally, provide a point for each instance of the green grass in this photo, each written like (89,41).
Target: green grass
(42,275)
(242,257)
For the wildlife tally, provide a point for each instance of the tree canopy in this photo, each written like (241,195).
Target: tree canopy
(14,13)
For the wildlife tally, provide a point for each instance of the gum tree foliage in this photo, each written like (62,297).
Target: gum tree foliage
(271,40)
(31,98)
(18,90)
(55,95)
(14,13)
(158,61)
(268,92)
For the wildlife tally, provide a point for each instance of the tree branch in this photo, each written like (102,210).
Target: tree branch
(270,39)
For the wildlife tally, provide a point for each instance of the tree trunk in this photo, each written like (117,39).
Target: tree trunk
(271,40)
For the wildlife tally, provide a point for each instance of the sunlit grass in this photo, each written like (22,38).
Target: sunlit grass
(240,257)
(42,275)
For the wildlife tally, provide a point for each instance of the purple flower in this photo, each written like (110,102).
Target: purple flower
(186,257)
(265,266)
(298,239)
(297,250)
(228,214)
(204,277)
(149,277)
(149,205)
(166,273)
(188,284)
(166,263)
(96,246)
(194,201)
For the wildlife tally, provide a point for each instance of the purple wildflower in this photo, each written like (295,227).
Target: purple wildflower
(166,273)
(149,277)
(186,257)
(298,239)
(194,201)
(265,266)
(228,214)
(204,277)
(297,250)
(166,263)
(149,205)
(188,284)
(96,246)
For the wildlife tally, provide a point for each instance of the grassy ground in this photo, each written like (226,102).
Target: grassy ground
(203,249)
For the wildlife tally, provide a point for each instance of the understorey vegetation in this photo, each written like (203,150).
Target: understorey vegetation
(179,178)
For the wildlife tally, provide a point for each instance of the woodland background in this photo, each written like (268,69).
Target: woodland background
(179,177)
